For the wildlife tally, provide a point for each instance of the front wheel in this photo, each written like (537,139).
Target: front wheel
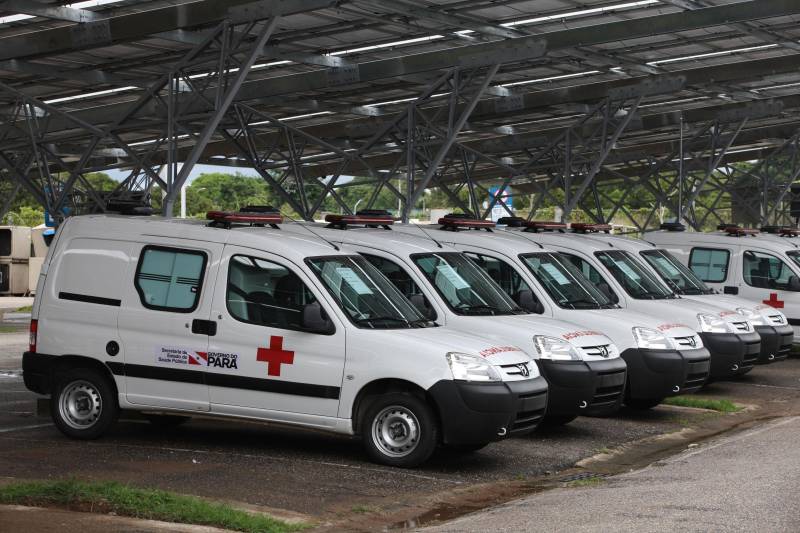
(400,429)
(642,403)
(83,405)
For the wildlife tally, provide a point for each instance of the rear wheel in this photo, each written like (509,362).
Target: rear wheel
(643,403)
(557,420)
(83,403)
(166,421)
(400,429)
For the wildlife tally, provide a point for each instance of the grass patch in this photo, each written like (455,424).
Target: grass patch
(362,509)
(10,329)
(586,482)
(722,406)
(109,496)
(26,309)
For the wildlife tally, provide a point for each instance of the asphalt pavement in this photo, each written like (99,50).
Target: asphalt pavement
(748,481)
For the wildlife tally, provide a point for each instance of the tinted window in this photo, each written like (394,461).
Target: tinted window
(366,296)
(266,293)
(677,276)
(633,276)
(400,279)
(168,279)
(709,264)
(564,282)
(464,286)
(766,271)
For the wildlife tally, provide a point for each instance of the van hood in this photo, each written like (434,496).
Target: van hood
(442,339)
(618,324)
(684,311)
(520,329)
(768,314)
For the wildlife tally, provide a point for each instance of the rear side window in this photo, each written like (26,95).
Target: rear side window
(710,264)
(170,279)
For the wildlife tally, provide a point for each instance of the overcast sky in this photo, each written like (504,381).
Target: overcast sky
(198,169)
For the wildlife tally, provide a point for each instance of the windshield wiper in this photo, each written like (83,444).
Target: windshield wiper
(422,323)
(478,307)
(370,320)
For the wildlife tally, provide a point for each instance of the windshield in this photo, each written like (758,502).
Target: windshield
(633,277)
(564,282)
(794,256)
(366,296)
(678,277)
(464,286)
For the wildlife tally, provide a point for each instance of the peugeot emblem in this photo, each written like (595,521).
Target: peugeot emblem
(692,342)
(603,351)
(523,370)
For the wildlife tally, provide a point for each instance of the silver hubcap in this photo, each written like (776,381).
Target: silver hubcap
(395,431)
(80,405)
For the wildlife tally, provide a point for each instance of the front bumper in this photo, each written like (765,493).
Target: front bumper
(776,343)
(474,413)
(732,354)
(656,374)
(584,387)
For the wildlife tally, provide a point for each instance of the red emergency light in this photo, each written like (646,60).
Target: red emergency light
(545,225)
(228,218)
(783,231)
(736,231)
(369,219)
(584,227)
(455,223)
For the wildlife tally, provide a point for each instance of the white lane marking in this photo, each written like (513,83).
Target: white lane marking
(20,428)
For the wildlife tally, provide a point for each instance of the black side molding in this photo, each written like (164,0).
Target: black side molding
(89,299)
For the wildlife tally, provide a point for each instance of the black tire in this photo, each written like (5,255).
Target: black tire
(643,404)
(551,421)
(83,404)
(166,421)
(466,448)
(415,423)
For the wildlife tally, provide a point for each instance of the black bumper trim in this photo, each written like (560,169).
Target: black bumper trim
(657,374)
(732,354)
(776,343)
(584,387)
(473,413)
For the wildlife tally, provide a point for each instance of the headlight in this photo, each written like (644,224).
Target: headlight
(711,323)
(555,349)
(751,316)
(651,339)
(468,367)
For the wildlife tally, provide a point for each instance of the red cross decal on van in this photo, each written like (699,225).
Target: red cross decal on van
(275,356)
(773,301)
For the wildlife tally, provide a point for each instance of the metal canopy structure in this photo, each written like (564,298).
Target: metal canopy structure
(557,99)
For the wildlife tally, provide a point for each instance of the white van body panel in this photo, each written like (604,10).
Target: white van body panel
(681,244)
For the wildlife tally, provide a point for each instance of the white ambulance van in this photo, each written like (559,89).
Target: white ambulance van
(730,337)
(237,318)
(582,365)
(662,361)
(764,269)
(771,325)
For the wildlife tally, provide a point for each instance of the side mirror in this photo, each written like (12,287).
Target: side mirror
(419,301)
(316,320)
(611,295)
(794,283)
(526,300)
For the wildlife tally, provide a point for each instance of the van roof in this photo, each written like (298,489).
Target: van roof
(288,244)
(509,243)
(585,242)
(398,242)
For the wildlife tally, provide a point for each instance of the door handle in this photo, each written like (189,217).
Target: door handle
(730,289)
(204,327)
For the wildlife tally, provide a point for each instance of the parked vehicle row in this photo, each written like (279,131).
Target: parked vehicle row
(411,338)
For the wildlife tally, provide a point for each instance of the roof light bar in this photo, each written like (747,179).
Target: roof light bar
(584,227)
(255,216)
(367,217)
(783,231)
(455,222)
(737,231)
(512,222)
